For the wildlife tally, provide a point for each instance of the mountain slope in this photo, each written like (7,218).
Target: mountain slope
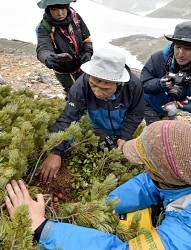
(174,9)
(133,6)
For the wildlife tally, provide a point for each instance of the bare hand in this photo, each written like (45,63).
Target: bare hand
(120,143)
(18,195)
(167,83)
(183,103)
(50,168)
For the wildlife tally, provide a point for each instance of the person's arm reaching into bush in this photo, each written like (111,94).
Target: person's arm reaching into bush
(18,195)
(173,233)
(56,235)
(50,167)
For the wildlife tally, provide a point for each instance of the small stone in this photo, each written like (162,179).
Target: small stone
(60,196)
(55,199)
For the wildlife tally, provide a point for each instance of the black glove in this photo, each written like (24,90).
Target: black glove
(52,61)
(85,57)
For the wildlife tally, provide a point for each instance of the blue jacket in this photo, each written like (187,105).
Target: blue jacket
(118,116)
(137,193)
(156,68)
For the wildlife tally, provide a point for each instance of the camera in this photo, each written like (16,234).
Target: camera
(179,80)
(108,142)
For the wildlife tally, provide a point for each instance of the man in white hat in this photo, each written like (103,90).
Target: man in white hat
(113,97)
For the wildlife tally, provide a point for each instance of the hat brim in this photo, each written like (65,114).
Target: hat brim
(43,5)
(182,40)
(86,68)
(130,152)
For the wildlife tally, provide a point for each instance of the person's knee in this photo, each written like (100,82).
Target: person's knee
(151,115)
(151,119)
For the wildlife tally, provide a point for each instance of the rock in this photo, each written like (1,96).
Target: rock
(2,81)
(21,69)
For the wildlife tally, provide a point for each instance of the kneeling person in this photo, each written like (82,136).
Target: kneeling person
(113,97)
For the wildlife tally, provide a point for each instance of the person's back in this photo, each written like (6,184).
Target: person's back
(63,41)
(163,72)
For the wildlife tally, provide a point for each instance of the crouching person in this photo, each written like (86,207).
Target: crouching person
(164,149)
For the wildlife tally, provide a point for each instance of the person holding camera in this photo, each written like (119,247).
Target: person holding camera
(166,77)
(113,97)
(64,42)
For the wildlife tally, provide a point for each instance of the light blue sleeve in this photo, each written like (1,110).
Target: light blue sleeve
(175,230)
(137,193)
(56,235)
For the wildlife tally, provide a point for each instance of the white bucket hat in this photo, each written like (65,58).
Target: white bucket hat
(107,64)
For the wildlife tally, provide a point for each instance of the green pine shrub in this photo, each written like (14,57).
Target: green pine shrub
(26,139)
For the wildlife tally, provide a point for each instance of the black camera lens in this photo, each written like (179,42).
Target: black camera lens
(176,92)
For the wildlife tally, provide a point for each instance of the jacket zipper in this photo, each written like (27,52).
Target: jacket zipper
(110,117)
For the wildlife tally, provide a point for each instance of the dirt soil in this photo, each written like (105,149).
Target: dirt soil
(59,188)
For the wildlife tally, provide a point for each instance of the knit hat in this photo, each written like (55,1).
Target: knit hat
(43,4)
(165,148)
(107,64)
(182,33)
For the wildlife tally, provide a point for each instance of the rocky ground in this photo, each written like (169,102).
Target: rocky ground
(20,68)
(140,45)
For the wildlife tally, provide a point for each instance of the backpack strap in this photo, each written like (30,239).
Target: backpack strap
(75,17)
(47,25)
(51,30)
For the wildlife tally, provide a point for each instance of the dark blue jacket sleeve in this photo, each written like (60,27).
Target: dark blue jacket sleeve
(135,112)
(152,72)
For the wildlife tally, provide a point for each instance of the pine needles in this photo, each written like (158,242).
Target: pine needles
(17,234)
(25,138)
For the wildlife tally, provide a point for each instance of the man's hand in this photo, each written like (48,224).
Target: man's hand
(165,83)
(120,143)
(185,105)
(50,168)
(18,195)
